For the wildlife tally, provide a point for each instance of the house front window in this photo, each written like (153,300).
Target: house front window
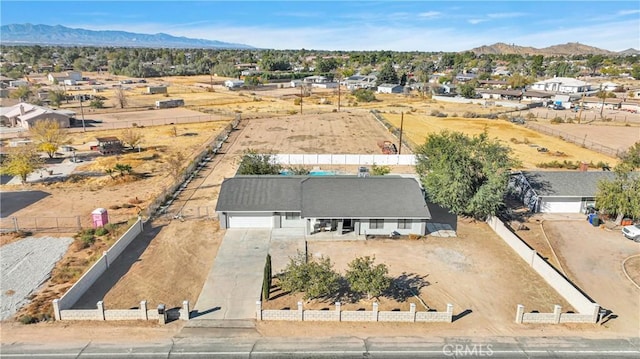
(376,223)
(292,216)
(404,224)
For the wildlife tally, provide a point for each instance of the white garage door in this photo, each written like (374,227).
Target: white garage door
(560,205)
(251,221)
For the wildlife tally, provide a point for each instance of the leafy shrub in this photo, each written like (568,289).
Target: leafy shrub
(292,112)
(27,319)
(434,112)
(469,114)
(491,116)
(87,239)
(101,231)
(364,95)
(557,119)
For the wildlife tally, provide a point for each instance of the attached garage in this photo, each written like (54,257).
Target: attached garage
(557,191)
(560,205)
(250,220)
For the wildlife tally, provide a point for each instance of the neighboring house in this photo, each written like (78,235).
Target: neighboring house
(595,102)
(62,76)
(390,88)
(25,115)
(447,89)
(610,86)
(108,145)
(562,85)
(360,82)
(557,191)
(496,84)
(18,83)
(375,205)
(315,79)
(536,96)
(233,83)
(498,94)
(464,77)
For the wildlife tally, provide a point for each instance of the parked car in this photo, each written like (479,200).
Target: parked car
(632,232)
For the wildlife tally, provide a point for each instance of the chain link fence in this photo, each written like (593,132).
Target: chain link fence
(160,205)
(70,224)
(580,141)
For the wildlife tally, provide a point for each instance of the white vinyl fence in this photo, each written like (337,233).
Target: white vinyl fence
(344,159)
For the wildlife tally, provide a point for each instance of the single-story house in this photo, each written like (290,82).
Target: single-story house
(499,94)
(390,88)
(18,83)
(464,77)
(536,96)
(562,85)
(25,115)
(557,191)
(374,205)
(60,77)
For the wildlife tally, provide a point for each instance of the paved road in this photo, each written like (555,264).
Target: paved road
(235,281)
(341,347)
(11,202)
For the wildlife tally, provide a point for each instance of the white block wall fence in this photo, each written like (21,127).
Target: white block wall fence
(339,315)
(587,309)
(344,159)
(100,313)
(95,271)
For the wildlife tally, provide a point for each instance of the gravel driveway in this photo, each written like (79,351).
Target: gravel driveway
(24,266)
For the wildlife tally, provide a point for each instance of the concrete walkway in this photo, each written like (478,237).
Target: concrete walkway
(235,281)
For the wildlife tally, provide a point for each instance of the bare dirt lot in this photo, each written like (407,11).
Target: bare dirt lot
(616,136)
(466,271)
(592,257)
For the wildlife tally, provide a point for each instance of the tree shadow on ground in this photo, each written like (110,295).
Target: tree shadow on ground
(405,286)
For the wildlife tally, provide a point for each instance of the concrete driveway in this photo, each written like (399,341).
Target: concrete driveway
(235,280)
(592,258)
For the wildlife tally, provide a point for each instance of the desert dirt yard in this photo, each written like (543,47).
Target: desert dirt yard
(466,271)
(271,125)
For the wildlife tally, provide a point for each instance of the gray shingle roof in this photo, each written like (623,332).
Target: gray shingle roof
(326,196)
(260,193)
(566,183)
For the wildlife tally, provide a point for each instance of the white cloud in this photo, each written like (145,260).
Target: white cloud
(628,12)
(476,21)
(430,14)
(505,15)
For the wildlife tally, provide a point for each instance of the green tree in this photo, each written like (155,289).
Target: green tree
(364,95)
(48,136)
(21,162)
(365,277)
(467,90)
(604,95)
(22,93)
(324,66)
(267,277)
(298,170)
(468,175)
(518,81)
(56,97)
(387,75)
(380,170)
(631,157)
(254,163)
(635,71)
(315,278)
(619,196)
(594,62)
(96,103)
(122,168)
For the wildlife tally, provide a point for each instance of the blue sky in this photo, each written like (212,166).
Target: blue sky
(352,25)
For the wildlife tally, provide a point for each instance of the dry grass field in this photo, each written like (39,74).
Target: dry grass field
(520,139)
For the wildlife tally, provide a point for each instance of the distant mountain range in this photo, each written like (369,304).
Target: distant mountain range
(28,34)
(570,48)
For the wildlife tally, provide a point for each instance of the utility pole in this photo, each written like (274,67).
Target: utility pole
(338,95)
(84,129)
(401,127)
(301,95)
